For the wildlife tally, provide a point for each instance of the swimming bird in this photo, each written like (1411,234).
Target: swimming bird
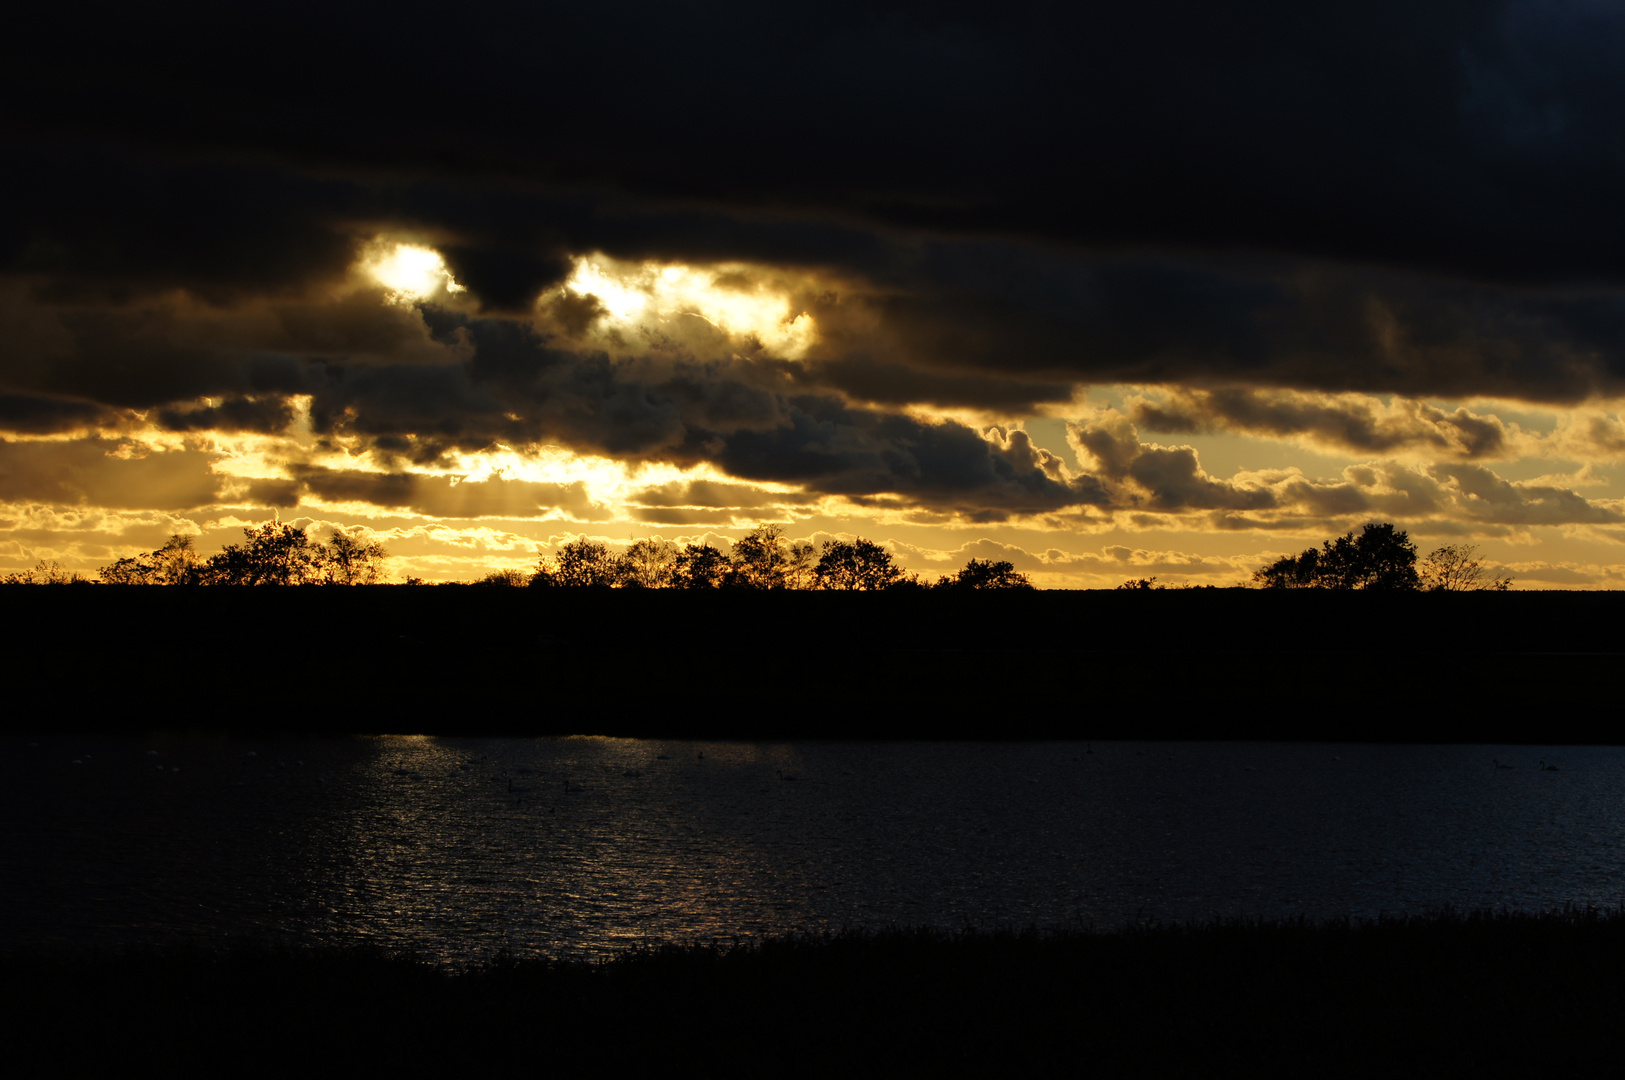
(1499,765)
(1547,768)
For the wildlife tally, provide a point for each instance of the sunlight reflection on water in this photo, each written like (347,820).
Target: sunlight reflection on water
(461,848)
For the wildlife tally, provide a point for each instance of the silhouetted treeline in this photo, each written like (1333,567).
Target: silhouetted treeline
(270,554)
(279,554)
(1380,557)
(1487,994)
(762,560)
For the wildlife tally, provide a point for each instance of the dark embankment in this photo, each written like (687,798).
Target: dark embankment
(1452,996)
(1488,667)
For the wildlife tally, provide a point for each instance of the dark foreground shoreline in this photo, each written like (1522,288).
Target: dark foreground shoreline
(1446,994)
(1519,667)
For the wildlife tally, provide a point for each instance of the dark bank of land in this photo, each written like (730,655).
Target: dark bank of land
(1439,995)
(1202,664)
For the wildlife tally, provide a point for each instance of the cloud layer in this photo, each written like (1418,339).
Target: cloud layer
(1351,229)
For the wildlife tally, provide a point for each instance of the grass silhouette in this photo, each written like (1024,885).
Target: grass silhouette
(1448,993)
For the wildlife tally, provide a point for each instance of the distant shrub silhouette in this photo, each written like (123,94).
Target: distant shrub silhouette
(986,574)
(1457,568)
(45,572)
(505,578)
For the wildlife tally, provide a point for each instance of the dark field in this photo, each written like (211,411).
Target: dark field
(1196,664)
(1443,996)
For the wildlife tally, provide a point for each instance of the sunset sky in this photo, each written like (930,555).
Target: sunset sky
(1109,291)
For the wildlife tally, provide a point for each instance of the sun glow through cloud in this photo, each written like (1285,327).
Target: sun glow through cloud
(734,298)
(410,271)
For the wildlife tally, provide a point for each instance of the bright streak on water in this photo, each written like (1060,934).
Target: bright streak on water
(462,849)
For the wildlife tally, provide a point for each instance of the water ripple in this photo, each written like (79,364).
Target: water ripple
(462,849)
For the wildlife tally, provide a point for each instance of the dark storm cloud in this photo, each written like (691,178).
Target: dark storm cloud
(518,388)
(34,415)
(90,223)
(670,515)
(171,349)
(1359,424)
(1158,319)
(262,414)
(444,496)
(1471,137)
(862,454)
(1004,201)
(711,494)
(866,379)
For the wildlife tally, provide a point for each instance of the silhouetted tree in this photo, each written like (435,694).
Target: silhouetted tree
(1457,568)
(134,570)
(649,564)
(759,559)
(800,564)
(1381,557)
(176,563)
(1290,572)
(859,565)
(986,574)
(272,554)
(584,563)
(348,560)
(700,566)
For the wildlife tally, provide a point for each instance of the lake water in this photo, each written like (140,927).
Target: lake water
(462,849)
